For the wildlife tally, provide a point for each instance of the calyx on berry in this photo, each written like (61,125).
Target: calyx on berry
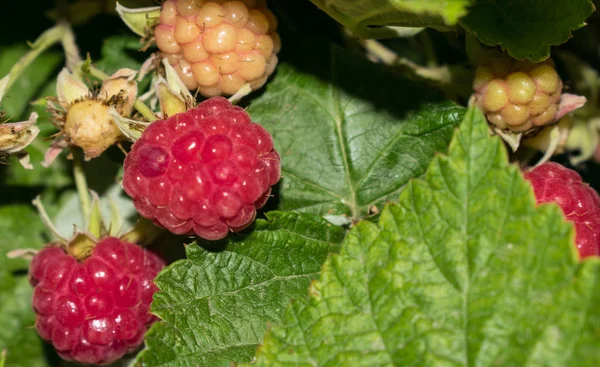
(16,136)
(83,116)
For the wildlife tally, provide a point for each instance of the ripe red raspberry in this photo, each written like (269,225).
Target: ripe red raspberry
(579,202)
(217,46)
(206,170)
(96,310)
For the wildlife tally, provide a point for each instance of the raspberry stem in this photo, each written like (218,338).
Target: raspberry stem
(81,183)
(143,233)
(45,40)
(70,47)
(37,202)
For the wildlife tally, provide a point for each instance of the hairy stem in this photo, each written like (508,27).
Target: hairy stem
(46,40)
(81,183)
(70,47)
(141,107)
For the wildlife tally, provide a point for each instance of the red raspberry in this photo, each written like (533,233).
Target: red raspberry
(579,202)
(206,170)
(96,310)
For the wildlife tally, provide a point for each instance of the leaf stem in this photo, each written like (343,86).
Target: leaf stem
(46,40)
(81,183)
(37,203)
(70,47)
(141,107)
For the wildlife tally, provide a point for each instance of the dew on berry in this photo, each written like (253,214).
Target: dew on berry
(152,161)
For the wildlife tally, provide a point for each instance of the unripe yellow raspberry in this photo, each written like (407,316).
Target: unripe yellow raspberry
(217,46)
(517,95)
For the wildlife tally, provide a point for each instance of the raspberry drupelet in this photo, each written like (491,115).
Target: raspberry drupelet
(203,171)
(518,95)
(96,310)
(218,46)
(579,202)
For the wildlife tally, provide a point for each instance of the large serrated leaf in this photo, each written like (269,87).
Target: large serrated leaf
(386,18)
(18,336)
(20,228)
(527,29)
(216,306)
(350,133)
(464,271)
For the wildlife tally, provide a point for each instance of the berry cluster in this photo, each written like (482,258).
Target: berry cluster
(518,95)
(206,170)
(218,46)
(579,202)
(96,310)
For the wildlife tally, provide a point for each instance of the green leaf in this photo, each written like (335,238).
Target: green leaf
(216,306)
(386,18)
(527,29)
(350,133)
(120,52)
(20,228)
(18,335)
(26,88)
(464,271)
